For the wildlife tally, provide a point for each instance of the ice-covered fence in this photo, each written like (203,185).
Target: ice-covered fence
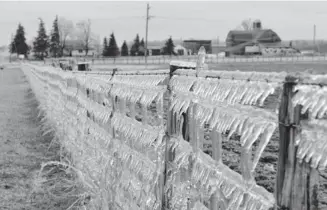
(104,121)
(214,105)
(130,156)
(303,141)
(224,103)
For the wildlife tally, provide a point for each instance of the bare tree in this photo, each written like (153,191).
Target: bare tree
(97,43)
(84,34)
(66,29)
(247,24)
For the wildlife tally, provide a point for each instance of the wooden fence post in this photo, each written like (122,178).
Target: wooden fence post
(187,132)
(169,154)
(296,183)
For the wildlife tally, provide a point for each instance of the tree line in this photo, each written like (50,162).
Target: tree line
(55,44)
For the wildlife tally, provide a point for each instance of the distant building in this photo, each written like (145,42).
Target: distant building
(194,45)
(238,40)
(218,48)
(155,47)
(76,48)
(154,50)
(180,50)
(81,52)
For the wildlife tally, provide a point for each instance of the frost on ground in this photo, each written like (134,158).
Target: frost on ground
(23,149)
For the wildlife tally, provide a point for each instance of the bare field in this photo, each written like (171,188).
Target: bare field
(318,67)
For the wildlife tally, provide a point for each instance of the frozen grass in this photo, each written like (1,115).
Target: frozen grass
(24,150)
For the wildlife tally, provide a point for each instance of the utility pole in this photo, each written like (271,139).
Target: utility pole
(12,38)
(146,33)
(314,34)
(314,38)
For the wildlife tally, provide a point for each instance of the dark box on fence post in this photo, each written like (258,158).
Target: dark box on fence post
(83,66)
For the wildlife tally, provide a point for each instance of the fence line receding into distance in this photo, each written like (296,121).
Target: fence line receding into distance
(155,60)
(137,137)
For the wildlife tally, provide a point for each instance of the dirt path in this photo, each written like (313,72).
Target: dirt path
(22,149)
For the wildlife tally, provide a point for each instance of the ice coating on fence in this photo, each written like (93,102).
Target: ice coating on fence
(225,102)
(106,121)
(312,146)
(312,98)
(104,142)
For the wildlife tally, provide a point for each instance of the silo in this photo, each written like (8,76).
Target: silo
(257,25)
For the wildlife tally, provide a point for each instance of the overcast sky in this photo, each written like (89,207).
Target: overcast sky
(181,20)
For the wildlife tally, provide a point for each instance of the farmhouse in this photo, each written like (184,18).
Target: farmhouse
(238,40)
(76,48)
(154,50)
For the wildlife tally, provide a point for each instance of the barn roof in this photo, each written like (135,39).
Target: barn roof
(196,40)
(265,35)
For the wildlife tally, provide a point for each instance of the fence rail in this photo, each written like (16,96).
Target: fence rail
(209,59)
(138,138)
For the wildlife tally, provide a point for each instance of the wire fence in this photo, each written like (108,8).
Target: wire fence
(157,137)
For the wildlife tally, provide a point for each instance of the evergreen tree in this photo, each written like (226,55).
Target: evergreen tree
(105,47)
(55,39)
(40,44)
(124,49)
(136,45)
(142,47)
(169,47)
(113,49)
(18,45)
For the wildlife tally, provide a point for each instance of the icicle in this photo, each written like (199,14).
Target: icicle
(259,94)
(311,97)
(311,146)
(254,135)
(320,102)
(245,126)
(199,206)
(236,92)
(267,134)
(323,110)
(230,122)
(236,199)
(249,94)
(233,128)
(265,95)
(246,133)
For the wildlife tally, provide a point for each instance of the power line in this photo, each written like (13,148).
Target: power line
(188,19)
(73,19)
(117,18)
